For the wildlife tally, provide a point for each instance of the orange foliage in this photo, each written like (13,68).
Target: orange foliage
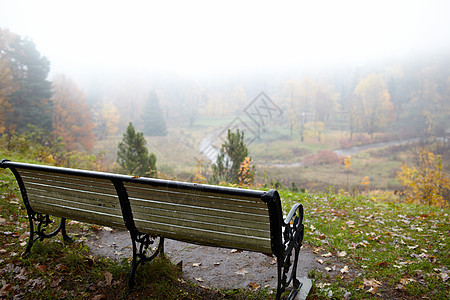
(72,120)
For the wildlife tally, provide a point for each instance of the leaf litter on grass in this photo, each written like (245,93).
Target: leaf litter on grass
(400,250)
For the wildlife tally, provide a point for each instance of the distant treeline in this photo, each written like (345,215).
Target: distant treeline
(403,98)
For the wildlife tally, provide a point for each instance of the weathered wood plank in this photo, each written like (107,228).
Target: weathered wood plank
(96,185)
(56,199)
(87,198)
(202,202)
(139,205)
(205,237)
(238,228)
(82,215)
(196,195)
(207,216)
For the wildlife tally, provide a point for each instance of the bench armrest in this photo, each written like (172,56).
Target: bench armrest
(292,213)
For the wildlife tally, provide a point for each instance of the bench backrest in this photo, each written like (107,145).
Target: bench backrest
(196,213)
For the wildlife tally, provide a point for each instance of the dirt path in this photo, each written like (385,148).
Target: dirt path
(207,266)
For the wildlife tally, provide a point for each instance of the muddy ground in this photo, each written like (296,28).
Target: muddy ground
(208,266)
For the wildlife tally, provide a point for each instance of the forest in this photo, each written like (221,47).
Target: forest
(317,113)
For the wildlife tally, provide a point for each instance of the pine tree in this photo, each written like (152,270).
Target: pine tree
(133,157)
(153,118)
(31,104)
(232,154)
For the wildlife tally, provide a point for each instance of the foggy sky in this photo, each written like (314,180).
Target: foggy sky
(199,38)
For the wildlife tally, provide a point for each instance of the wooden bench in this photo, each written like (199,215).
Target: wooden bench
(154,209)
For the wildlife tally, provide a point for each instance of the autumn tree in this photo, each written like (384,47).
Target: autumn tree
(233,161)
(132,155)
(152,117)
(430,105)
(374,107)
(107,119)
(309,102)
(72,120)
(30,101)
(427,183)
(7,87)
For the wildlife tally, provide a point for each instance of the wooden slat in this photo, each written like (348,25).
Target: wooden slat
(56,199)
(205,237)
(197,195)
(81,215)
(81,197)
(227,204)
(232,227)
(211,216)
(75,182)
(139,205)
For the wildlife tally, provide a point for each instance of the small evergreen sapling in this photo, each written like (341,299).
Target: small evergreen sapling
(133,157)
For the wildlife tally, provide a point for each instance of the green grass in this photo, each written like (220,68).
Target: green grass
(403,247)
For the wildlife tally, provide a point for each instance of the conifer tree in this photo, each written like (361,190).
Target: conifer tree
(232,154)
(133,157)
(153,118)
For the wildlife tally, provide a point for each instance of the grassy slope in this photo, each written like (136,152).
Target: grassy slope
(376,248)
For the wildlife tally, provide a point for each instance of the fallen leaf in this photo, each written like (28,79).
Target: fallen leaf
(236,251)
(41,268)
(241,272)
(217,263)
(342,254)
(6,289)
(56,282)
(196,264)
(373,290)
(199,279)
(328,269)
(322,236)
(400,287)
(320,261)
(253,285)
(383,264)
(109,229)
(371,282)
(62,268)
(327,254)
(344,269)
(108,277)
(99,297)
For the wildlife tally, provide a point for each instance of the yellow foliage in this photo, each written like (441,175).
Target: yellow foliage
(246,172)
(348,162)
(199,178)
(427,182)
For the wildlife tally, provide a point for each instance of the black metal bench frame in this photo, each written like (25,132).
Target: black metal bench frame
(286,235)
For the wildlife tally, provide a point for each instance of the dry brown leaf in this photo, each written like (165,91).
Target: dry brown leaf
(41,268)
(196,264)
(108,277)
(199,279)
(253,285)
(56,282)
(6,289)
